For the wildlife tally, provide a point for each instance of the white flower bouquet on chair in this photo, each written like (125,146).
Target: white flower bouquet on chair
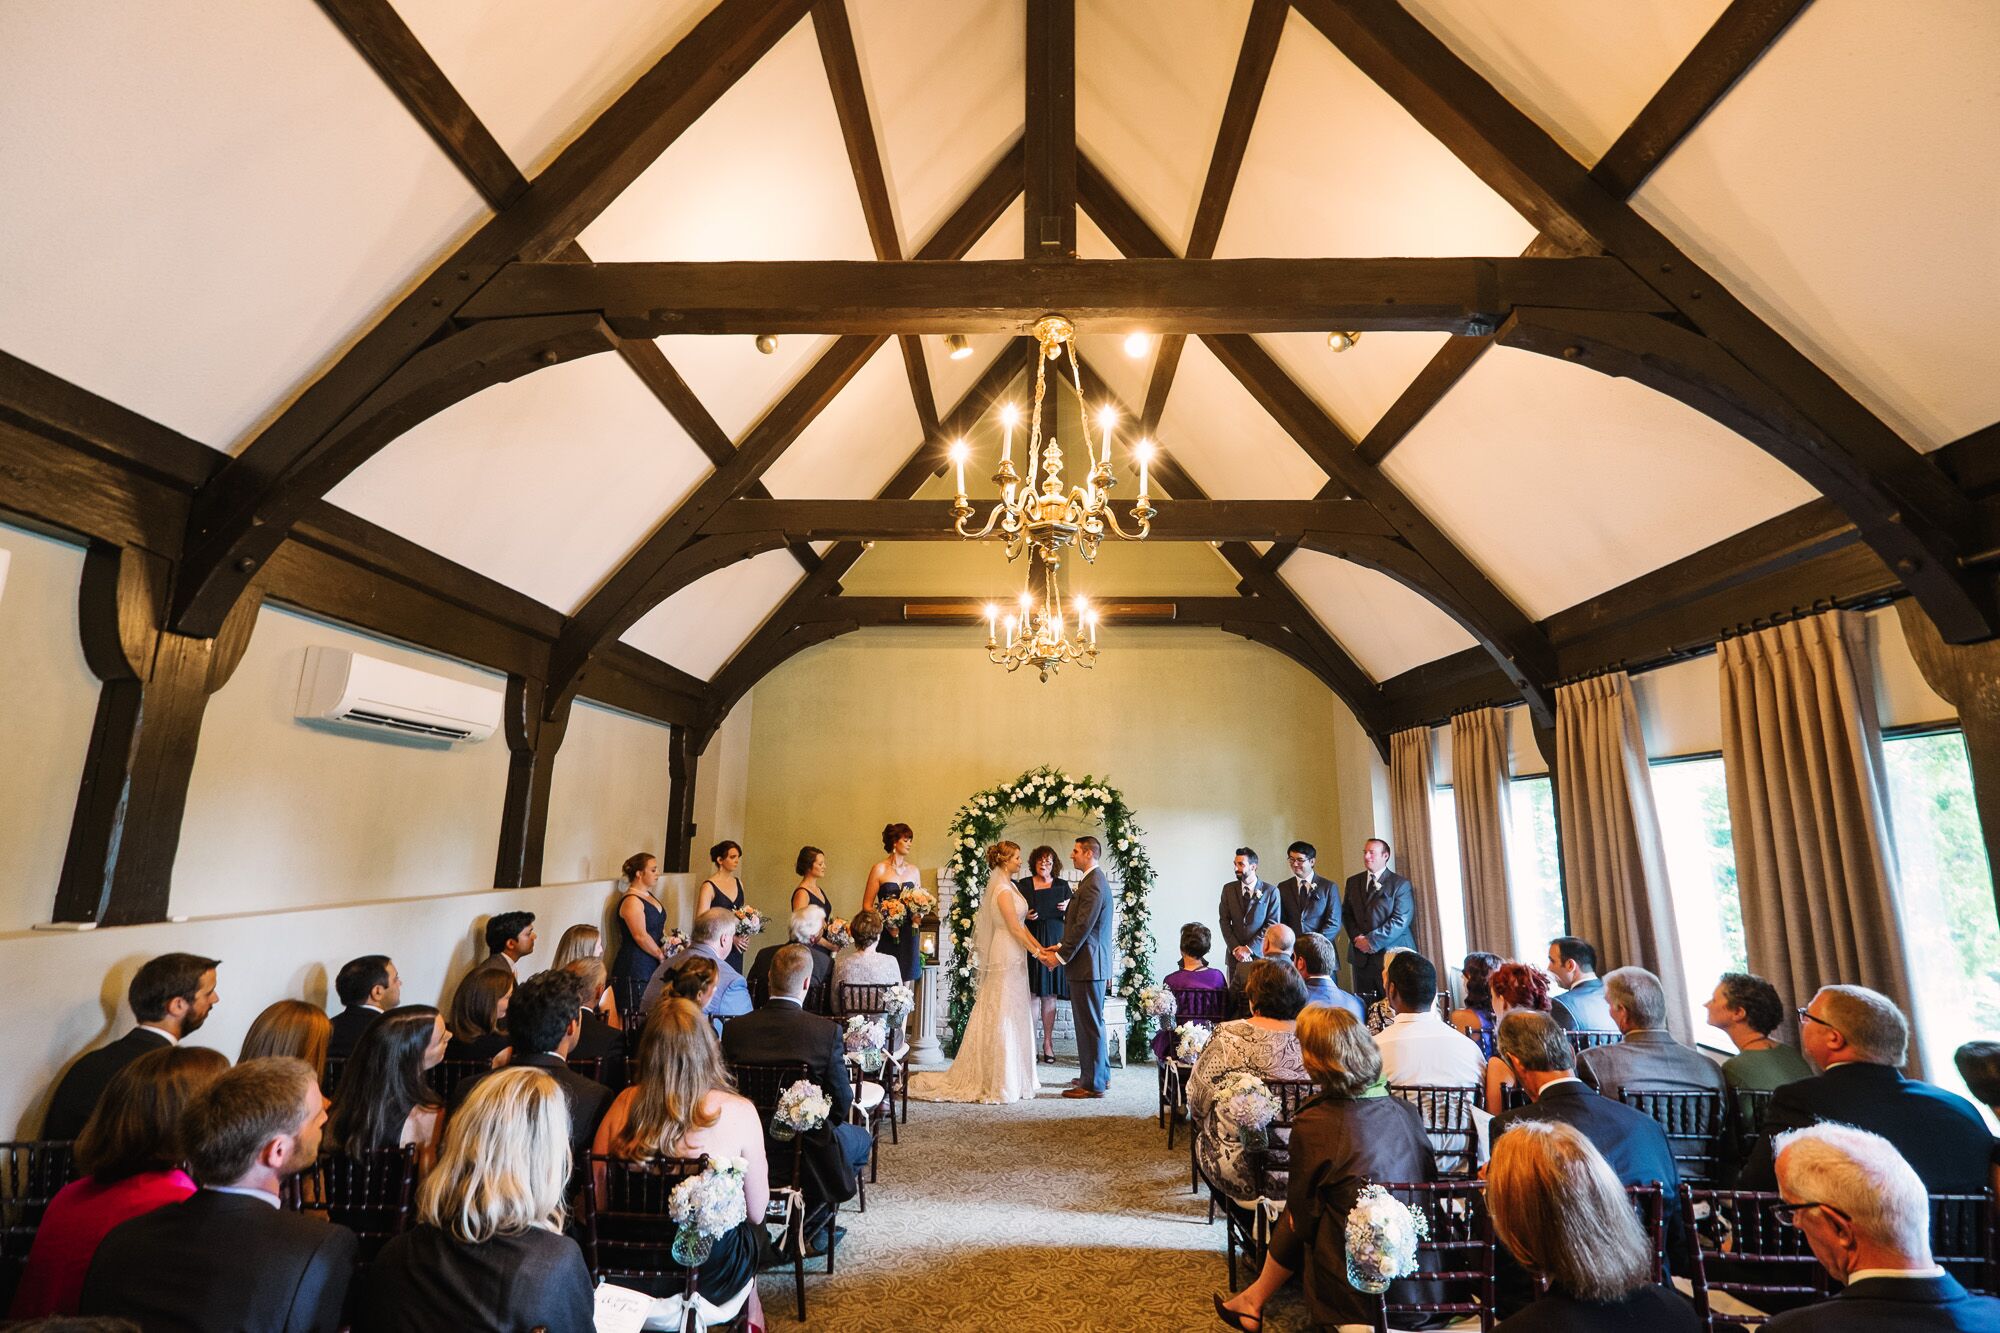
(1192,1040)
(1158,1002)
(1382,1237)
(802,1108)
(1243,1101)
(866,1040)
(706,1208)
(899,999)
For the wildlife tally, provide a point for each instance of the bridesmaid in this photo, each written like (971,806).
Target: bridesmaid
(644,919)
(727,855)
(1048,900)
(887,879)
(811,869)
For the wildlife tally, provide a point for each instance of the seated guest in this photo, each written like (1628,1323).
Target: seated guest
(1582,1007)
(290,1027)
(368,987)
(1194,973)
(681,1104)
(579,941)
(1748,1010)
(545,1020)
(129,1159)
(488,1251)
(1476,1019)
(1979,1065)
(479,1014)
(385,1101)
(803,928)
(1867,1217)
(1265,1044)
(1561,1212)
(1341,1141)
(1420,1048)
(782,1031)
(232,1256)
(598,1038)
(694,978)
(1859,1039)
(1649,1058)
(1317,964)
(714,938)
(510,937)
(866,966)
(170,996)
(1279,941)
(1380,1012)
(1513,988)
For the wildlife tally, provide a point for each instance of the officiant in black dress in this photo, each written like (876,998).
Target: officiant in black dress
(1048,900)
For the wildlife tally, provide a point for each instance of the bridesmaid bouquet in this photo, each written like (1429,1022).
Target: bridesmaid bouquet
(866,1040)
(1242,1100)
(749,921)
(1382,1236)
(1193,1039)
(802,1108)
(674,941)
(707,1207)
(836,935)
(911,906)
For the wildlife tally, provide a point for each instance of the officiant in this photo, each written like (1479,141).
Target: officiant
(1048,902)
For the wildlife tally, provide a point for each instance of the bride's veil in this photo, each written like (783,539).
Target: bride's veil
(989,930)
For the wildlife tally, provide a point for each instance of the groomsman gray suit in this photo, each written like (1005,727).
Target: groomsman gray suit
(1244,917)
(1089,961)
(1313,911)
(1381,907)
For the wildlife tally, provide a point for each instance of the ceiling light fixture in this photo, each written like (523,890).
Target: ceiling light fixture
(958,345)
(1340,342)
(1138,343)
(767,343)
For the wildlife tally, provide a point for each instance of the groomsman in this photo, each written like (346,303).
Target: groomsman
(1376,913)
(1305,901)
(1249,907)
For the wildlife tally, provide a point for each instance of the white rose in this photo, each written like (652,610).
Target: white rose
(1123,843)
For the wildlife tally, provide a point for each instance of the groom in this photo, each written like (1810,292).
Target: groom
(1086,957)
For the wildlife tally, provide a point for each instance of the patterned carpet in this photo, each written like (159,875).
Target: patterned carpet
(1043,1215)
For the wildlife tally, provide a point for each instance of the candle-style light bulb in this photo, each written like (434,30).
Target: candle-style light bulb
(1107,417)
(958,452)
(1091,620)
(1010,416)
(1144,453)
(1010,631)
(992,617)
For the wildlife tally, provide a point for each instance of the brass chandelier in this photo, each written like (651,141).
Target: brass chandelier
(1041,518)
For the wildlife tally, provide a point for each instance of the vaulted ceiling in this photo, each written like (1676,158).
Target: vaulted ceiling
(252,223)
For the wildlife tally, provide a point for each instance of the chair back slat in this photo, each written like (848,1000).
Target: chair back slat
(1447,1113)
(32,1172)
(370,1191)
(1696,1129)
(1456,1259)
(1270,1166)
(1962,1238)
(1739,1247)
(1582,1039)
(1649,1203)
(1747,1109)
(627,1224)
(1201,1006)
(445,1076)
(863,997)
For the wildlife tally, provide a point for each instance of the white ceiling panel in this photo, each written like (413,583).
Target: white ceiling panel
(861,439)
(737,383)
(1336,167)
(204,204)
(1151,83)
(1104,353)
(1846,191)
(1561,482)
(950,379)
(945,93)
(1356,386)
(702,626)
(1383,625)
(545,483)
(536,84)
(1233,450)
(1582,70)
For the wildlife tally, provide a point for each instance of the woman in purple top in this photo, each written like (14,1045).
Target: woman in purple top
(1194,973)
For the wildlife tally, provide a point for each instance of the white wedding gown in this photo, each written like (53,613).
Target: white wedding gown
(996,1058)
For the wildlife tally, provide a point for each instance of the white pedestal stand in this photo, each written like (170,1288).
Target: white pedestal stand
(933,997)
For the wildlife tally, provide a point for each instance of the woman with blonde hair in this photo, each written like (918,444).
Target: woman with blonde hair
(1557,1206)
(294,1028)
(683,1104)
(488,1251)
(1342,1140)
(578,943)
(996,1054)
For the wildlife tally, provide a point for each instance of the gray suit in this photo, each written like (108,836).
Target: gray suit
(1089,961)
(1244,921)
(1648,1060)
(1315,911)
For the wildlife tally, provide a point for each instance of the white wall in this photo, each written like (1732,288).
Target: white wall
(722,787)
(610,794)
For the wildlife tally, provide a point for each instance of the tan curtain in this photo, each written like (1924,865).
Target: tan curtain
(1479,789)
(1802,752)
(1614,862)
(1412,776)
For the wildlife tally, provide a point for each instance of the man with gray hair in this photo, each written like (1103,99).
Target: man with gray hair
(1867,1217)
(714,936)
(1649,1059)
(804,927)
(1858,1038)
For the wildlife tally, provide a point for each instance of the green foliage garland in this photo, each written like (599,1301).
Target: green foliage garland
(1044,791)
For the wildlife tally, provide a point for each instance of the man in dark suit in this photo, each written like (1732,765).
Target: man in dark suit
(1582,1006)
(804,927)
(544,1020)
(782,1032)
(596,1039)
(369,987)
(510,937)
(1377,911)
(232,1257)
(1858,1038)
(1865,1214)
(1089,959)
(1248,908)
(1306,901)
(170,996)
(1649,1057)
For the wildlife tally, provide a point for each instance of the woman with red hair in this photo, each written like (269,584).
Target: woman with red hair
(1513,986)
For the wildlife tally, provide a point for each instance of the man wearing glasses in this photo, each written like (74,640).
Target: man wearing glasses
(1858,1040)
(1866,1215)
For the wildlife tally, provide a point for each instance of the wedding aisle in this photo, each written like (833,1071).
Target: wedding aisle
(1050,1215)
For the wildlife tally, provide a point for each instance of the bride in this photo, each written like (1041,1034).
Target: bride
(996,1057)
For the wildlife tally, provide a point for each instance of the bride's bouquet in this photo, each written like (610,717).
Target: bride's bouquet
(802,1108)
(1382,1236)
(1191,1041)
(749,921)
(1242,1100)
(707,1207)
(866,1039)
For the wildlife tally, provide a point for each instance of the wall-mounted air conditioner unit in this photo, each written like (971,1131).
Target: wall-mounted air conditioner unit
(366,692)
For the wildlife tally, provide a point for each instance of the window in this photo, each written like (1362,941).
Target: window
(1450,883)
(1534,878)
(1693,806)
(1946,892)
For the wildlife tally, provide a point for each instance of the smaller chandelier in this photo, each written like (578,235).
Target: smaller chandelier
(1037,637)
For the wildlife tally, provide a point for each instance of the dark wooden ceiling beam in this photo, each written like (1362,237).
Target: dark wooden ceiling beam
(1049,166)
(931,520)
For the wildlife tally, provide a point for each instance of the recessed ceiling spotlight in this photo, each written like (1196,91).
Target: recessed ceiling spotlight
(1340,342)
(767,343)
(958,345)
(1137,344)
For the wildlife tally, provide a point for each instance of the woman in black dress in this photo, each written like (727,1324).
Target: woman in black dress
(887,879)
(644,918)
(725,889)
(1048,900)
